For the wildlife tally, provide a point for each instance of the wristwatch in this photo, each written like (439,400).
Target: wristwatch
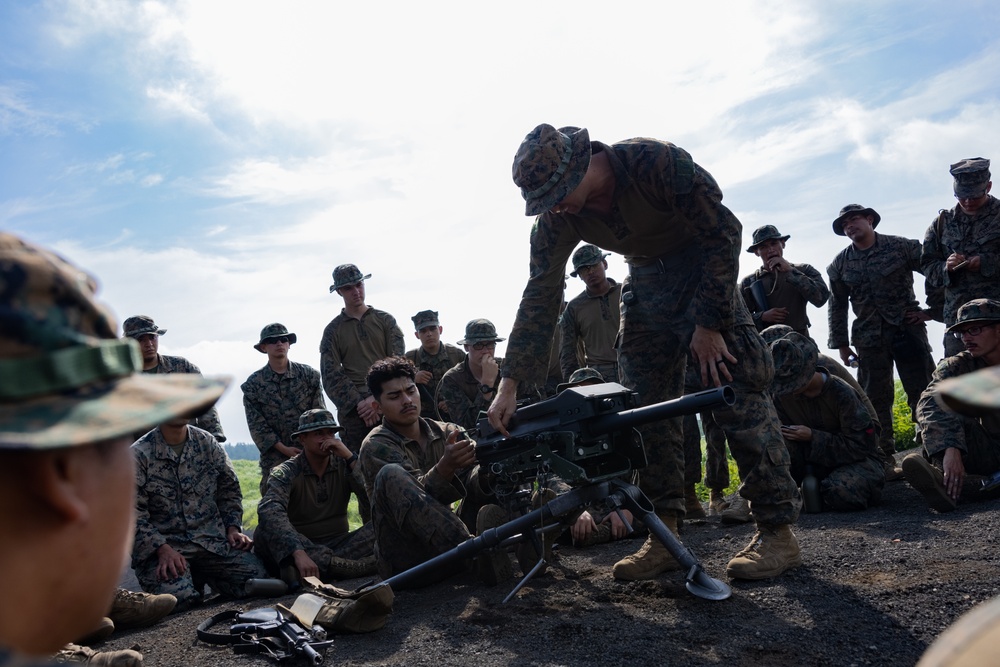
(485,389)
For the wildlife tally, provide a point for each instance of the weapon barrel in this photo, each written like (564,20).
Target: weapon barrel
(709,399)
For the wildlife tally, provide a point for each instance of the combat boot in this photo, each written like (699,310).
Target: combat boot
(929,481)
(351,568)
(133,609)
(81,655)
(737,510)
(692,505)
(527,554)
(492,565)
(717,502)
(651,559)
(773,550)
(103,630)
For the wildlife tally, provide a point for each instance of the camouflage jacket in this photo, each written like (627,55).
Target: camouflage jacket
(273,403)
(208,421)
(190,499)
(940,428)
(791,290)
(955,231)
(878,283)
(592,321)
(459,390)
(665,208)
(348,349)
(438,364)
(300,506)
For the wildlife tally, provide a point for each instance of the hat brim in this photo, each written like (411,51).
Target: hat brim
(292,338)
(838,224)
(579,162)
(957,326)
(763,241)
(319,426)
(111,410)
(576,271)
(143,332)
(336,286)
(975,394)
(481,340)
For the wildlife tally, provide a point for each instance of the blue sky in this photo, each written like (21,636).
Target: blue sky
(212,162)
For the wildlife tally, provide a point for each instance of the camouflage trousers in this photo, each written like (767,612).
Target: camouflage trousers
(847,488)
(716,465)
(410,526)
(353,435)
(226,574)
(354,545)
(907,347)
(653,352)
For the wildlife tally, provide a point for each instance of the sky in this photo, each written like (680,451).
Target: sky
(212,162)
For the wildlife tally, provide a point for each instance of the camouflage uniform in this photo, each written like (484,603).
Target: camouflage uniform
(411,502)
(208,421)
(303,510)
(460,391)
(273,402)
(448,355)
(188,502)
(878,283)
(716,462)
(681,244)
(592,321)
(791,290)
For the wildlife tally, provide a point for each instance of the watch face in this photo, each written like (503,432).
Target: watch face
(485,388)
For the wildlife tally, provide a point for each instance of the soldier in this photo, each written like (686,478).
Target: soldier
(352,342)
(961,251)
(590,321)
(959,450)
(143,329)
(736,510)
(189,516)
(777,292)
(71,395)
(275,396)
(649,201)
(303,529)
(828,430)
(875,275)
(433,359)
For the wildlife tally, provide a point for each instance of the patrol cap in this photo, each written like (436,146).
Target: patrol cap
(347,274)
(586,255)
(66,379)
(549,165)
(315,419)
(140,325)
(977,310)
(974,394)
(851,209)
(795,359)
(274,330)
(581,376)
(480,331)
(765,233)
(971,177)
(425,318)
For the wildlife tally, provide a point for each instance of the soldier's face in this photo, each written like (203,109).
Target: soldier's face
(429,337)
(593,275)
(400,401)
(973,204)
(982,341)
(858,227)
(149,345)
(277,348)
(353,295)
(770,249)
(318,442)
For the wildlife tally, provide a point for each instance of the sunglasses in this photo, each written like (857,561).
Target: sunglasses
(280,339)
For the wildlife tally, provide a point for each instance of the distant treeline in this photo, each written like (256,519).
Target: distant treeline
(241,451)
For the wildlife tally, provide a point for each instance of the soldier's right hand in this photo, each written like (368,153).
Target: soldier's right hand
(775,316)
(423,377)
(368,411)
(503,406)
(170,563)
(846,353)
(458,454)
(582,527)
(306,566)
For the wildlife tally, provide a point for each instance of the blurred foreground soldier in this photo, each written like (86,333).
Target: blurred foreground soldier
(143,329)
(828,429)
(649,201)
(71,395)
(971,641)
(591,319)
(432,359)
(275,396)
(960,450)
(784,287)
(961,250)
(303,529)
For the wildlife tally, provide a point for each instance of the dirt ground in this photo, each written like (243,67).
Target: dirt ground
(876,588)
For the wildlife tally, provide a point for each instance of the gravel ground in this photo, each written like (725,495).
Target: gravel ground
(876,588)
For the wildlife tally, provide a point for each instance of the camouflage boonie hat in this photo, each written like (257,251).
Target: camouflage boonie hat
(580,376)
(774,332)
(766,233)
(275,330)
(66,379)
(549,165)
(314,420)
(586,255)
(480,331)
(971,176)
(851,209)
(425,318)
(977,310)
(140,325)
(975,394)
(795,358)
(347,274)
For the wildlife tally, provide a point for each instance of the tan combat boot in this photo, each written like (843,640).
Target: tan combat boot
(651,559)
(133,609)
(717,502)
(351,568)
(736,511)
(104,629)
(692,505)
(81,655)
(773,550)
(929,481)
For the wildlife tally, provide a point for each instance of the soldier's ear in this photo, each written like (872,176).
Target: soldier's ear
(55,479)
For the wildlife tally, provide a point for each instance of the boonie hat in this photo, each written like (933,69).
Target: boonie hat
(66,379)
(851,209)
(480,331)
(140,325)
(347,274)
(774,332)
(315,419)
(275,330)
(579,376)
(549,165)
(765,233)
(425,318)
(795,358)
(586,255)
(971,176)
(975,394)
(977,310)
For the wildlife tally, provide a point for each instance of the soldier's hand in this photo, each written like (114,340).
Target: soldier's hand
(286,450)
(954,472)
(423,377)
(975,262)
(490,370)
(779,264)
(915,317)
(774,316)
(846,353)
(712,355)
(368,411)
(304,564)
(503,406)
(618,527)
(458,454)
(797,433)
(238,540)
(334,445)
(954,259)
(170,564)
(582,527)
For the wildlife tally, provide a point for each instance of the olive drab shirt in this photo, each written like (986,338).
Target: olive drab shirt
(590,322)
(348,349)
(447,357)
(788,289)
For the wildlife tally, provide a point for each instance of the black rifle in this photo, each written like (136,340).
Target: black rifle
(585,435)
(269,632)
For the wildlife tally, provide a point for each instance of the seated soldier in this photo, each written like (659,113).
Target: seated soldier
(303,529)
(189,513)
(958,450)
(827,428)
